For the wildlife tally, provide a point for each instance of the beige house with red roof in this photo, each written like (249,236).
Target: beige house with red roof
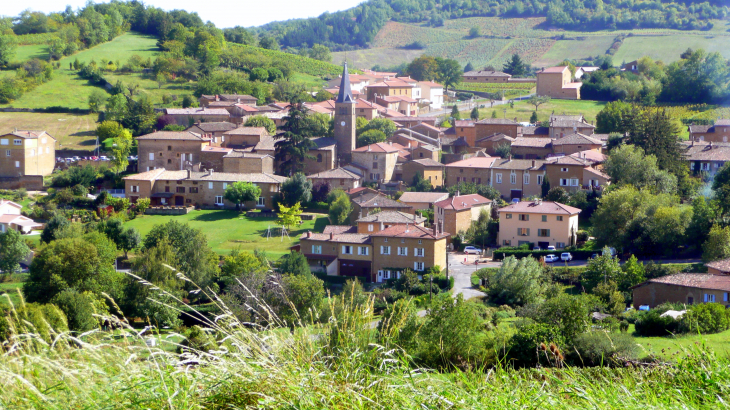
(422,200)
(474,169)
(427,168)
(338,178)
(10,218)
(26,153)
(540,223)
(687,288)
(455,214)
(171,150)
(574,174)
(491,126)
(557,82)
(390,87)
(401,103)
(379,221)
(378,160)
(531,148)
(570,144)
(432,94)
(517,178)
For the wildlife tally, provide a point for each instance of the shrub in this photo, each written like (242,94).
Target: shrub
(602,348)
(706,318)
(197,340)
(652,324)
(525,347)
(78,308)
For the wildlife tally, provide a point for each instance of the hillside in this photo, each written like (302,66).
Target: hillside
(501,37)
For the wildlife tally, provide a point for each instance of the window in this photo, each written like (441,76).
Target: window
(419,251)
(559,217)
(317,249)
(193,190)
(709,297)
(563,182)
(402,251)
(225,185)
(219,200)
(385,250)
(169,147)
(151,156)
(512,179)
(420,241)
(4,142)
(508,216)
(574,182)
(498,178)
(560,244)
(370,227)
(524,217)
(526,179)
(7,152)
(342,182)
(461,170)
(135,188)
(544,218)
(261,201)
(563,169)
(543,232)
(347,250)
(17,142)
(169,161)
(523,231)
(17,164)
(506,242)
(724,297)
(362,250)
(375,165)
(705,166)
(210,185)
(385,240)
(48,150)
(180,190)
(319,157)
(419,266)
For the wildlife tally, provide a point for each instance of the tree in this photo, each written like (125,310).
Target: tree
(423,68)
(611,117)
(49,231)
(290,216)
(371,136)
(570,314)
(613,299)
(142,204)
(78,308)
(340,208)
(601,269)
(538,100)
(455,113)
(503,150)
(558,194)
(129,240)
(8,45)
(449,72)
(474,114)
(545,187)
(116,108)
(627,165)
(320,52)
(658,134)
(240,263)
(533,118)
(188,101)
(295,264)
(718,244)
(468,67)
(474,32)
(108,129)
(13,250)
(633,273)
(420,184)
(96,100)
(296,189)
(294,142)
(304,294)
(384,125)
(261,121)
(494,114)
(121,149)
(483,231)
(703,218)
(241,192)
(516,66)
(324,95)
(517,282)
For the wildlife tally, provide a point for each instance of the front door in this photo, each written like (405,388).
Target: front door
(516,193)
(179,201)
(543,245)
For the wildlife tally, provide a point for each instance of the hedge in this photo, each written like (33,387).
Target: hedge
(519,254)
(335,279)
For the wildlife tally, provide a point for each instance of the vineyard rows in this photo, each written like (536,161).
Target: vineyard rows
(35,39)
(301,64)
(492,88)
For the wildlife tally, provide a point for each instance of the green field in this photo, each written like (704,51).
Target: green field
(575,50)
(72,131)
(523,110)
(67,89)
(229,230)
(23,53)
(668,48)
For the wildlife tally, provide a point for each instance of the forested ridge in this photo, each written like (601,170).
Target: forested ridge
(356,27)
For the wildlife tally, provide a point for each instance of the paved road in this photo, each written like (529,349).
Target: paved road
(462,275)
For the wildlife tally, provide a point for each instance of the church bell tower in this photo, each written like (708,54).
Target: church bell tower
(345,120)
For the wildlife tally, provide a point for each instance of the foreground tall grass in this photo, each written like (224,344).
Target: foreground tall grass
(342,364)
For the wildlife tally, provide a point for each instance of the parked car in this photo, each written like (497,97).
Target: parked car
(551,248)
(551,258)
(104,158)
(472,250)
(566,257)
(536,248)
(515,201)
(594,256)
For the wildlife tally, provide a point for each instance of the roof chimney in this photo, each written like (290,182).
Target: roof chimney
(435,229)
(510,158)
(332,236)
(188,172)
(309,234)
(534,163)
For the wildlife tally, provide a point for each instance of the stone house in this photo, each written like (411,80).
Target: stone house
(401,103)
(378,160)
(484,76)
(491,126)
(366,109)
(706,157)
(402,247)
(574,174)
(200,189)
(27,153)
(517,178)
(422,200)
(171,150)
(572,143)
(540,223)
(466,129)
(432,93)
(364,202)
(721,267)
(424,151)
(475,169)
(388,87)
(719,132)
(242,162)
(564,125)
(492,142)
(428,130)
(338,178)
(455,214)
(428,169)
(205,100)
(688,288)
(212,131)
(536,132)
(244,137)
(531,148)
(376,222)
(189,116)
(339,253)
(557,82)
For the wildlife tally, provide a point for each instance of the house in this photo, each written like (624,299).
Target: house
(484,76)
(391,87)
(357,82)
(409,122)
(200,189)
(365,201)
(339,254)
(688,288)
(422,200)
(455,214)
(719,267)
(376,222)
(171,150)
(632,66)
(427,168)
(366,109)
(563,125)
(25,158)
(719,132)
(491,126)
(244,137)
(574,174)
(706,157)
(241,112)
(338,178)
(206,100)
(475,169)
(401,103)
(10,218)
(572,143)
(536,132)
(517,178)
(493,142)
(402,247)
(557,82)
(189,116)
(580,71)
(432,94)
(241,162)
(378,160)
(531,148)
(212,131)
(424,151)
(540,223)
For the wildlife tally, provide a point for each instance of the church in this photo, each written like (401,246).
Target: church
(345,120)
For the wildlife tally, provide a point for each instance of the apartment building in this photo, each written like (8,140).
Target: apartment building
(455,214)
(539,223)
(378,160)
(379,221)
(517,178)
(171,150)
(475,169)
(27,153)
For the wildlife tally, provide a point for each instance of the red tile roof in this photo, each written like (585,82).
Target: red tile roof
(410,231)
(554,69)
(462,202)
(721,265)
(541,207)
(473,162)
(423,197)
(380,147)
(694,280)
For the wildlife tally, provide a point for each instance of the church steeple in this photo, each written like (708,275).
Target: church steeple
(345,94)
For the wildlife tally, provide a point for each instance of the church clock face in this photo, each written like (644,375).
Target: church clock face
(342,123)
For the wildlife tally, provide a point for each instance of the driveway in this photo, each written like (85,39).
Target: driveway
(462,272)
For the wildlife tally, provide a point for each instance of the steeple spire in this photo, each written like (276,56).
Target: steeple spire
(345,94)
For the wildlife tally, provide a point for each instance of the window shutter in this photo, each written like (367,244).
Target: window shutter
(528,231)
(548,232)
(705,297)
(724,297)
(415,265)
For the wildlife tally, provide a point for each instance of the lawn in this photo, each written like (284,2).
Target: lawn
(23,53)
(72,131)
(668,347)
(523,110)
(229,230)
(67,89)
(11,289)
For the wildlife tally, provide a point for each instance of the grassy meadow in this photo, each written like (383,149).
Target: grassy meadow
(523,110)
(72,131)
